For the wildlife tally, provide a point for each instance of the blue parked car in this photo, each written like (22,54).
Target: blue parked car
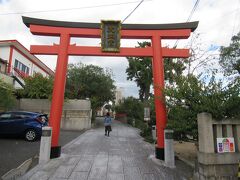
(26,124)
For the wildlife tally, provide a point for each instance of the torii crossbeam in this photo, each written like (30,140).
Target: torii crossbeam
(66,30)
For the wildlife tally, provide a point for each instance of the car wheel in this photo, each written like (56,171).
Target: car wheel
(30,135)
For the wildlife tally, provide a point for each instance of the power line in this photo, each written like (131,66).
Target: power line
(235,19)
(193,10)
(69,9)
(132,11)
(189,17)
(218,21)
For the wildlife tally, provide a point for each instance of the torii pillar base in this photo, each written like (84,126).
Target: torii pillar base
(159,153)
(55,152)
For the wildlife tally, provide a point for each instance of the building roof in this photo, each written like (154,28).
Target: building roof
(3,61)
(17,45)
(188,25)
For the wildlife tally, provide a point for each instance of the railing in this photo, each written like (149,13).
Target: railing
(20,73)
(210,130)
(219,148)
(15,74)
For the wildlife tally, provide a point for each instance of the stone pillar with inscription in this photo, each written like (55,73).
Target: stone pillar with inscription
(45,145)
(169,149)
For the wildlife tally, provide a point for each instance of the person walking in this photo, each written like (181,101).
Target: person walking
(107,124)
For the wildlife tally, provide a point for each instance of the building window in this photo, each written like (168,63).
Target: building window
(27,70)
(20,66)
(16,63)
(23,68)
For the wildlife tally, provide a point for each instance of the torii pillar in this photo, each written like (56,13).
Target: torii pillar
(66,30)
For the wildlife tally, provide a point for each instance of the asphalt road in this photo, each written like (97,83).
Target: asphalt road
(14,151)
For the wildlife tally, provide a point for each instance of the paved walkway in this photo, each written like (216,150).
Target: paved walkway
(92,156)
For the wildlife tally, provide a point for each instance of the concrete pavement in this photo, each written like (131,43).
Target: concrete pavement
(93,156)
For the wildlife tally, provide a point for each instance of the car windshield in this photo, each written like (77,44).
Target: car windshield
(21,116)
(5,116)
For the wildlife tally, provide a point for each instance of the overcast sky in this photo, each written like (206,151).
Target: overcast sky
(218,21)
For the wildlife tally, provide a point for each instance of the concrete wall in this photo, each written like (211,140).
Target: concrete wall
(6,79)
(33,68)
(76,114)
(4,52)
(36,69)
(17,56)
(3,67)
(213,165)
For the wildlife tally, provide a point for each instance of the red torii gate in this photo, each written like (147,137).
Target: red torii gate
(66,30)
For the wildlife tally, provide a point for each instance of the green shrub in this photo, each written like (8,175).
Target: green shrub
(7,98)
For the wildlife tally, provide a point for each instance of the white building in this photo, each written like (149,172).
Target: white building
(119,95)
(16,62)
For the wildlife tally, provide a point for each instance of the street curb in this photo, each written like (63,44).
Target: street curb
(186,161)
(12,172)
(159,162)
(71,142)
(17,172)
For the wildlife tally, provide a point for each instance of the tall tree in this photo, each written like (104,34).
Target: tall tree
(89,81)
(127,107)
(140,71)
(230,56)
(191,96)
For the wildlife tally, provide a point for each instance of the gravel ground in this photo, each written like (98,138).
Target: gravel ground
(186,151)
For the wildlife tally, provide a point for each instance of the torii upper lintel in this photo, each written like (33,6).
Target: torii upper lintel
(30,21)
